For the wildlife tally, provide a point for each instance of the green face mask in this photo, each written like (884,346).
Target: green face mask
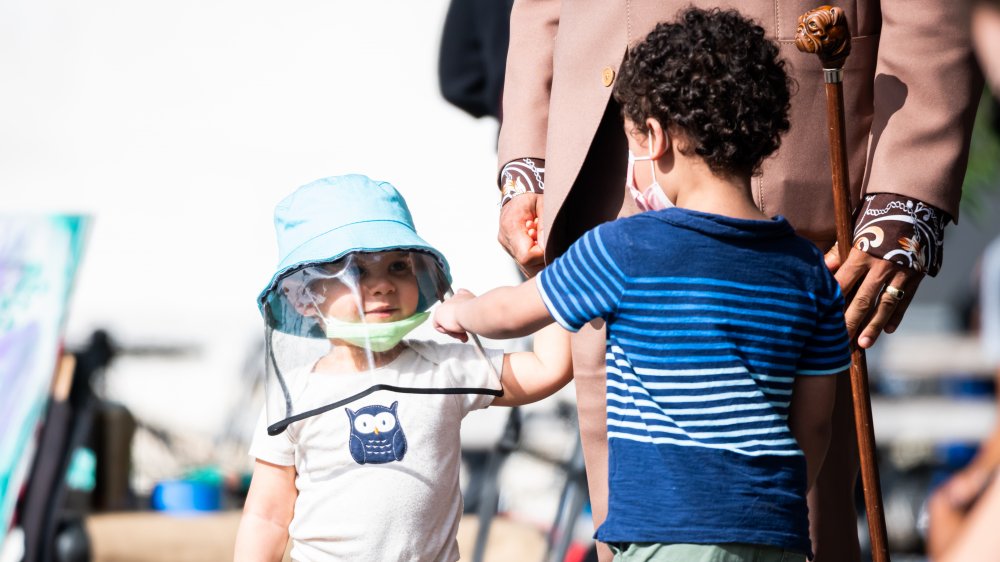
(376,336)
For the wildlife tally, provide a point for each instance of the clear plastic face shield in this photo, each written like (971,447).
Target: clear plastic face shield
(335,329)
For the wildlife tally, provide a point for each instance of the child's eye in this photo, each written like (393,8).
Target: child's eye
(400,266)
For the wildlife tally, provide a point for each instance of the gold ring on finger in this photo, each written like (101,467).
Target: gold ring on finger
(895,293)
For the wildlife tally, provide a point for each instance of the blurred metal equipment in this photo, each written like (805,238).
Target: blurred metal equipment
(573,498)
(489,495)
(571,502)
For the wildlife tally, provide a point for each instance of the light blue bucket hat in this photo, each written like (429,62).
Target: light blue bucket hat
(329,218)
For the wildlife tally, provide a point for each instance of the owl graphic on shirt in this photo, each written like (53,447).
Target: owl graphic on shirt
(376,436)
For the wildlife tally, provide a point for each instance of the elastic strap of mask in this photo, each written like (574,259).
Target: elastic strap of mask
(652,162)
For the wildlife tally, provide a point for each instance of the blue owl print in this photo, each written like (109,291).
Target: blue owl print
(376,436)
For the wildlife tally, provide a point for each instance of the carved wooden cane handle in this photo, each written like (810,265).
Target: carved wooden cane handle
(824,32)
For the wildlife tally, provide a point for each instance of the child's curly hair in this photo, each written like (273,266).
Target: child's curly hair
(714,77)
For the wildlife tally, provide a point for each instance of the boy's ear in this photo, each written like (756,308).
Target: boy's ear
(659,137)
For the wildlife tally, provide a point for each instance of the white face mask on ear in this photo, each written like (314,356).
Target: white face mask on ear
(652,198)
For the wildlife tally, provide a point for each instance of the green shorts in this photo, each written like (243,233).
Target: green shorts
(679,552)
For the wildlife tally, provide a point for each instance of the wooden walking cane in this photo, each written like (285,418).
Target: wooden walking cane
(824,31)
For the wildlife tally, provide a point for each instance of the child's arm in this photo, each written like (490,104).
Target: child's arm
(509,312)
(263,531)
(505,312)
(530,376)
(810,417)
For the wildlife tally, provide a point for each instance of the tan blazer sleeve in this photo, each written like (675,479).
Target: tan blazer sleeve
(528,80)
(927,88)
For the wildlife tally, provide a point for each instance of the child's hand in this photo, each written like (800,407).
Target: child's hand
(532,226)
(446,316)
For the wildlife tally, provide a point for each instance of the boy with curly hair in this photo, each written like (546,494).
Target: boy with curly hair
(725,329)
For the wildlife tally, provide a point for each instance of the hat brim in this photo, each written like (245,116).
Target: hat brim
(370,236)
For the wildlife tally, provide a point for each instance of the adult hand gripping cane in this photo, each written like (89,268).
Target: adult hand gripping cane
(824,32)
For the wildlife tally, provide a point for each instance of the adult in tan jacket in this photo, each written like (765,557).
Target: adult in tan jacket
(910,94)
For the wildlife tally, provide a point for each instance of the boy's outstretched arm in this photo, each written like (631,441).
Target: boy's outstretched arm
(263,532)
(810,417)
(503,313)
(509,312)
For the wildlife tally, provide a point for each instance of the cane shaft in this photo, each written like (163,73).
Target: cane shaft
(825,33)
(870,483)
(863,424)
(838,167)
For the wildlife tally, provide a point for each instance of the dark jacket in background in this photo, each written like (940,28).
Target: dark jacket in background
(474,54)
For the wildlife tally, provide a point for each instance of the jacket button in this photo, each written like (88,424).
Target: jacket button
(608,76)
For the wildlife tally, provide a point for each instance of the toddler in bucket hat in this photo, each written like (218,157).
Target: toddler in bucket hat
(330,218)
(357,450)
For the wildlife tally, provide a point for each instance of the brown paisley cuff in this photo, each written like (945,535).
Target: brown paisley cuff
(524,175)
(903,230)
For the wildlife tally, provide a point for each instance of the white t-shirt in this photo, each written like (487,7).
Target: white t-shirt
(378,479)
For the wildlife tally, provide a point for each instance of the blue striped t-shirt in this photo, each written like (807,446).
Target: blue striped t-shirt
(709,321)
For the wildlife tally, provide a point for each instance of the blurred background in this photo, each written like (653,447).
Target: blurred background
(174,128)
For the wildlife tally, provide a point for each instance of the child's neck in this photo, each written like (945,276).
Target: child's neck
(347,358)
(700,189)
